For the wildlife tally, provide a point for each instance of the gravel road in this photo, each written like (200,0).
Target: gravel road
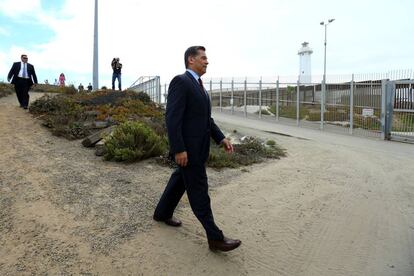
(336,205)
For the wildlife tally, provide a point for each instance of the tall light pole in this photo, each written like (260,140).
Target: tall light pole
(324,56)
(324,72)
(95,50)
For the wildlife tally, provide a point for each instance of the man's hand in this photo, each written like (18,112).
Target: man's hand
(228,147)
(181,159)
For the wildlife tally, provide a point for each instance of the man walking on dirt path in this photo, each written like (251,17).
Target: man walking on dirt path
(190,126)
(23,76)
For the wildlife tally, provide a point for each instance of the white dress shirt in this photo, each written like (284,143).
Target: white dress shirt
(23,66)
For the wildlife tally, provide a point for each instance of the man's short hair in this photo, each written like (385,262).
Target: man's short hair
(23,55)
(192,52)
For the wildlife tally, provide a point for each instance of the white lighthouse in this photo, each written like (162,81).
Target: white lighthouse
(304,53)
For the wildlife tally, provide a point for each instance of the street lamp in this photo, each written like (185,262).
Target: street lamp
(324,57)
(324,72)
(95,76)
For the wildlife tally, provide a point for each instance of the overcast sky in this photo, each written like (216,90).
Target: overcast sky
(243,38)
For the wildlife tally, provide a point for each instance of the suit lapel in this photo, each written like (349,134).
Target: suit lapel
(18,67)
(197,87)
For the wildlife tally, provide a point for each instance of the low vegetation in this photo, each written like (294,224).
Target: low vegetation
(140,131)
(6,89)
(134,141)
(332,114)
(251,150)
(48,88)
(78,115)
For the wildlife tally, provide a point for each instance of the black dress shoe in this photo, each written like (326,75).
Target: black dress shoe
(171,221)
(223,245)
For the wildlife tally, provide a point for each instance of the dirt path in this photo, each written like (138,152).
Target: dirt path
(335,206)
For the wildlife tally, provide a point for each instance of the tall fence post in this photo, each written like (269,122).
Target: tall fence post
(351,107)
(313,94)
(245,97)
(260,98)
(221,95)
(386,108)
(277,99)
(390,88)
(297,102)
(232,96)
(159,89)
(323,88)
(165,93)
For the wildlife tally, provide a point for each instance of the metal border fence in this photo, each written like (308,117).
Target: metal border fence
(150,85)
(355,104)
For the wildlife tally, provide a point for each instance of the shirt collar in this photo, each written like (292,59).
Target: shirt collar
(194,74)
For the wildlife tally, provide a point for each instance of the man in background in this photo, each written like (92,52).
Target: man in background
(80,87)
(23,76)
(116,67)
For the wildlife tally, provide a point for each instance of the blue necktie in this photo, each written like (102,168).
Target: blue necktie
(24,71)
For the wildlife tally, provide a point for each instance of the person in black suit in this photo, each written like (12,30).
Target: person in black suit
(23,76)
(189,127)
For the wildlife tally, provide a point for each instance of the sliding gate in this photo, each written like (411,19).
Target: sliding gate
(400,107)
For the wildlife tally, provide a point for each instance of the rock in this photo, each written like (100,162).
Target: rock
(100,148)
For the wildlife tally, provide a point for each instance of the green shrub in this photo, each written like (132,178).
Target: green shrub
(69,115)
(289,111)
(329,116)
(370,123)
(48,88)
(271,143)
(54,104)
(403,122)
(6,89)
(133,141)
(144,97)
(247,153)
(218,158)
(315,116)
(62,115)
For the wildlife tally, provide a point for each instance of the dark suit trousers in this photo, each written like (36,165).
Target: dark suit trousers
(22,87)
(193,179)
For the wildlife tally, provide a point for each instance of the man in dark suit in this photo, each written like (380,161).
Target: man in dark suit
(23,76)
(190,126)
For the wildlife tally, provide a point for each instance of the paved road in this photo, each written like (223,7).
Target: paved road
(347,202)
(321,137)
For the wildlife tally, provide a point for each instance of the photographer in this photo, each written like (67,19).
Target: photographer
(116,67)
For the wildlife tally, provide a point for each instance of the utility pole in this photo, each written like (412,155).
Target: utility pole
(95,50)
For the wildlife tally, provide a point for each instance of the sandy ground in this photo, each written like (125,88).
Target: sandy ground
(336,205)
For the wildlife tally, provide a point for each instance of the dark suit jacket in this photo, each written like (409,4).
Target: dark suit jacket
(188,119)
(14,72)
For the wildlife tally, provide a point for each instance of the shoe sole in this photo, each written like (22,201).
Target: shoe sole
(223,250)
